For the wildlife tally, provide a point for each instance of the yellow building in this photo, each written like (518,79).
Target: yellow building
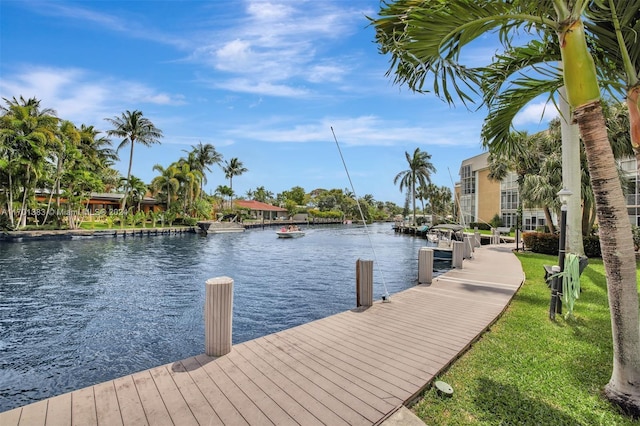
(479,199)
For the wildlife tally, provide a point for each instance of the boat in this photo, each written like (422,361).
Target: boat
(442,237)
(445,233)
(291,232)
(216,227)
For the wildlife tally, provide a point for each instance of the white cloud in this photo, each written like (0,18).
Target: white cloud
(80,96)
(325,73)
(536,113)
(276,45)
(261,88)
(129,25)
(356,131)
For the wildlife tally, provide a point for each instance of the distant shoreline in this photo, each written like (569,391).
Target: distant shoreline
(67,234)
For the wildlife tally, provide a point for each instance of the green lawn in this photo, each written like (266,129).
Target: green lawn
(528,370)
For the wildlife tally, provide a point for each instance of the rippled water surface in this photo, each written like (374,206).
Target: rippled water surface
(78,312)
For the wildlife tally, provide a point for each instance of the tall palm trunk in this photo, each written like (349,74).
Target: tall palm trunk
(571,174)
(633,102)
(616,239)
(618,255)
(413,198)
(10,199)
(22,221)
(126,186)
(549,219)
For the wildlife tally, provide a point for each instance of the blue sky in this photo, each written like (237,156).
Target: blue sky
(263,81)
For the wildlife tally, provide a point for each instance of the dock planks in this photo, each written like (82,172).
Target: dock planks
(353,368)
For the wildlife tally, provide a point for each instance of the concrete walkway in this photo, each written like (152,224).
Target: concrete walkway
(358,367)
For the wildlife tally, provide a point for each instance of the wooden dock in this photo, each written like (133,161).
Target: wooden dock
(354,368)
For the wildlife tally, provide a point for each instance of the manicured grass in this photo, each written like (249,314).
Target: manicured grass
(529,370)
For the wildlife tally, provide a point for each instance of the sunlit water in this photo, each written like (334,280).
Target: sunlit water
(78,312)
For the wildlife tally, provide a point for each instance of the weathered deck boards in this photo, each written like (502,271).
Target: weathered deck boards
(354,368)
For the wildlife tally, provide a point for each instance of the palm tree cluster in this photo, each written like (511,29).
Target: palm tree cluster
(538,167)
(180,185)
(40,152)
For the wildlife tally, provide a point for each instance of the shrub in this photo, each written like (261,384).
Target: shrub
(541,242)
(480,225)
(545,243)
(496,222)
(636,236)
(591,246)
(331,214)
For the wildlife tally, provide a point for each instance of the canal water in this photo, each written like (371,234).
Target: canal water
(78,312)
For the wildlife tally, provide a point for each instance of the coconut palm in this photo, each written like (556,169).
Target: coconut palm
(190,180)
(418,173)
(27,131)
(137,190)
(425,40)
(134,128)
(233,167)
(201,157)
(224,191)
(167,182)
(97,149)
(614,26)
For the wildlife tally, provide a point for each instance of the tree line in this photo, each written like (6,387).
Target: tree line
(42,155)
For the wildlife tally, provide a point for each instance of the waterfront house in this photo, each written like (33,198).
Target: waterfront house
(262,211)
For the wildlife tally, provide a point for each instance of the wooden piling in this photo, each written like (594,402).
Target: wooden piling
(218,312)
(468,247)
(425,265)
(457,255)
(364,282)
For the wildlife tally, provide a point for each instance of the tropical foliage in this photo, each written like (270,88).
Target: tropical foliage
(40,152)
(418,174)
(425,40)
(133,128)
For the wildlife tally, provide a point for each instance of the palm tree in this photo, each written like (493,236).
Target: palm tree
(261,194)
(224,191)
(233,167)
(138,190)
(614,26)
(133,128)
(419,173)
(203,156)
(190,180)
(425,39)
(97,149)
(27,131)
(63,152)
(166,182)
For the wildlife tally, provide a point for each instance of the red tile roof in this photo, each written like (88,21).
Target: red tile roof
(257,205)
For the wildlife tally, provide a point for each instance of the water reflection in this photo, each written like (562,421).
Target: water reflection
(78,312)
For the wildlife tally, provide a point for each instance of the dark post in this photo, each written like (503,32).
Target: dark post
(517,233)
(557,282)
(561,255)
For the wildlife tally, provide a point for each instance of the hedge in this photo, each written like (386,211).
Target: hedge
(482,226)
(546,243)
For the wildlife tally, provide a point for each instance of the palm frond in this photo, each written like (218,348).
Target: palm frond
(426,38)
(498,126)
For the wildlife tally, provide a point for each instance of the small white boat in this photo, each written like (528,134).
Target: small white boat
(290,233)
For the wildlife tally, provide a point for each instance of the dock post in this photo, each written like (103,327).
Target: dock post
(468,247)
(476,235)
(457,254)
(218,315)
(364,282)
(425,265)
